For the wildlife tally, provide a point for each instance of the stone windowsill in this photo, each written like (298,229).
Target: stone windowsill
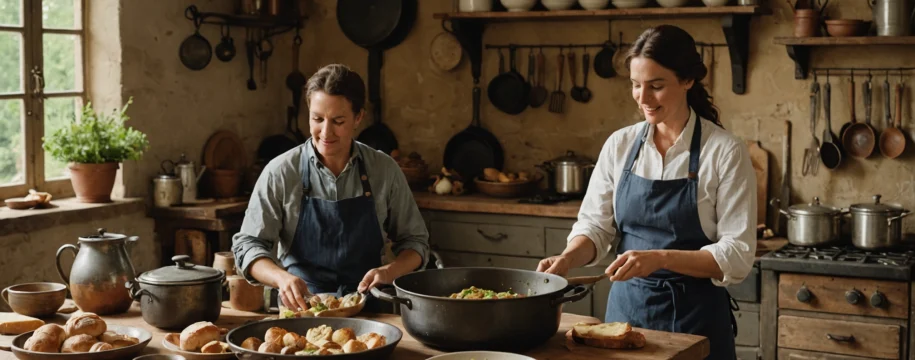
(65,211)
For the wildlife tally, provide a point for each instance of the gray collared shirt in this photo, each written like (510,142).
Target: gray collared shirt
(273,211)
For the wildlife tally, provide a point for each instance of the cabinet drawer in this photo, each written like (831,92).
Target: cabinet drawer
(488,238)
(792,354)
(747,328)
(457,259)
(828,294)
(839,337)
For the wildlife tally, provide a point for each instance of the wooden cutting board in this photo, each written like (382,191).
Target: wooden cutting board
(760,159)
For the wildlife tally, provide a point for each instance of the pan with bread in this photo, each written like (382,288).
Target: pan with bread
(328,305)
(82,334)
(613,335)
(341,338)
(201,340)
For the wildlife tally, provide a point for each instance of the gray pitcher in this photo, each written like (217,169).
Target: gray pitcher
(100,269)
(893,17)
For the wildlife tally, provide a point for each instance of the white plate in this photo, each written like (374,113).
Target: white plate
(480,355)
(196,355)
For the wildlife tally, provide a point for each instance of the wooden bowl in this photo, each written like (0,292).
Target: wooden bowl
(20,203)
(844,27)
(417,177)
(39,299)
(509,189)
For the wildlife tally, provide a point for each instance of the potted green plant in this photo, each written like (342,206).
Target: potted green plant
(93,149)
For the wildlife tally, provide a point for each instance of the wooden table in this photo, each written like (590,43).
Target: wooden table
(661,345)
(198,230)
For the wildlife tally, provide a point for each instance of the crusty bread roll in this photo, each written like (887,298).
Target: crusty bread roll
(342,335)
(42,342)
(289,350)
(78,344)
(173,338)
(354,346)
(327,344)
(214,347)
(86,323)
(56,332)
(294,340)
(197,335)
(275,335)
(316,334)
(101,346)
(332,351)
(270,348)
(372,340)
(251,343)
(118,341)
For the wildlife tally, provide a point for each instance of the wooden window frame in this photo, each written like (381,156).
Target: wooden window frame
(33,96)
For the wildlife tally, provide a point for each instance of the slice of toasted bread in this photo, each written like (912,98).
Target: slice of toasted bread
(632,340)
(613,330)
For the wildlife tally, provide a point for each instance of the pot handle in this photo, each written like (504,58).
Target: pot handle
(775,202)
(889,222)
(391,298)
(135,292)
(60,270)
(5,295)
(579,293)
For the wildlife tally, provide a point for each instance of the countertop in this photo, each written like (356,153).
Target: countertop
(486,204)
(660,345)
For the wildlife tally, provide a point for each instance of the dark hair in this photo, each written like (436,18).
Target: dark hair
(338,80)
(675,49)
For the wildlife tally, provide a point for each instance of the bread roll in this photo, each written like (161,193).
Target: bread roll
(316,334)
(372,340)
(327,344)
(270,348)
(101,346)
(332,302)
(56,332)
(42,342)
(332,351)
(15,324)
(119,340)
(251,343)
(354,346)
(288,350)
(86,323)
(78,344)
(294,340)
(173,338)
(342,335)
(214,347)
(275,335)
(197,335)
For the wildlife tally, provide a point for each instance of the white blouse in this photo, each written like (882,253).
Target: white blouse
(726,194)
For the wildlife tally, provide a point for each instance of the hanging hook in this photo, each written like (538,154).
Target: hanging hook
(827,76)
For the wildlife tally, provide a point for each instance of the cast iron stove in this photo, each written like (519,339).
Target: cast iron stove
(842,261)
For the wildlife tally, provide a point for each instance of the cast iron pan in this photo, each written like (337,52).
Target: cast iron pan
(376,25)
(195,51)
(603,61)
(473,149)
(508,91)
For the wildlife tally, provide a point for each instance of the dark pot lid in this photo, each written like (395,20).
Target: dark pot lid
(102,235)
(814,208)
(571,159)
(876,207)
(182,273)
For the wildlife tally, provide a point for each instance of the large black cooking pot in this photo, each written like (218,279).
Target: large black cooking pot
(301,325)
(494,324)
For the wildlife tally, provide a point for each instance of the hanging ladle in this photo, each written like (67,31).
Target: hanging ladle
(829,151)
(892,141)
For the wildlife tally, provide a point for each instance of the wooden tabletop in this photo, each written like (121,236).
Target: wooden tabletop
(660,345)
(491,205)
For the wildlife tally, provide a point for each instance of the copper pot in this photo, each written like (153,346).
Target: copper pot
(806,23)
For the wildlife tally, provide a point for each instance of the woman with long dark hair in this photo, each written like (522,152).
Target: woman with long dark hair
(674,197)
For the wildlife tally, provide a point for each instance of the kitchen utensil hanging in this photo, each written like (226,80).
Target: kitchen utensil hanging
(603,61)
(508,91)
(538,92)
(445,51)
(376,25)
(263,51)
(893,141)
(859,139)
(473,149)
(295,82)
(830,154)
(852,119)
(195,51)
(812,153)
(557,97)
(225,50)
(250,45)
(585,94)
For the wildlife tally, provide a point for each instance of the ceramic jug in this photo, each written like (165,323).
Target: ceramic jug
(100,269)
(187,171)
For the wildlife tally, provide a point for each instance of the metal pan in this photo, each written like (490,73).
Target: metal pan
(603,61)
(392,335)
(859,139)
(120,353)
(195,51)
(892,141)
(830,154)
(473,149)
(508,91)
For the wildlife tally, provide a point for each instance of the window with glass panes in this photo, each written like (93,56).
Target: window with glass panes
(42,88)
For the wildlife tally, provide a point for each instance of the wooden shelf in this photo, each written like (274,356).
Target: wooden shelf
(605,14)
(799,48)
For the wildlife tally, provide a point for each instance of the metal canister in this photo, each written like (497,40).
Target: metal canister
(167,190)
(893,17)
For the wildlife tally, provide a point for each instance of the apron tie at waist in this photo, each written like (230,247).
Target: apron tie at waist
(676,287)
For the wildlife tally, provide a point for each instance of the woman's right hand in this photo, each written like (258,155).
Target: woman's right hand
(293,291)
(557,265)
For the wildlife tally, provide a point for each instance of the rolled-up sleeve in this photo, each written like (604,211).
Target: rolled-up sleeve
(261,227)
(406,227)
(736,210)
(595,218)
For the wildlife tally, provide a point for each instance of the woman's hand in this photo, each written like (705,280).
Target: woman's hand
(557,265)
(635,263)
(293,291)
(375,277)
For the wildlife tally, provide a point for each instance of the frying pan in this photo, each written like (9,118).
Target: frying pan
(830,153)
(473,149)
(892,141)
(508,91)
(859,138)
(376,25)
(603,61)
(195,51)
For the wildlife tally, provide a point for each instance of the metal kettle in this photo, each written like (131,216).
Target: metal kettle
(569,174)
(186,170)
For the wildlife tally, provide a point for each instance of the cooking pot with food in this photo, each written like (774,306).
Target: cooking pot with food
(435,319)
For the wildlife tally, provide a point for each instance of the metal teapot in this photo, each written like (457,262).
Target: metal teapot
(186,170)
(100,269)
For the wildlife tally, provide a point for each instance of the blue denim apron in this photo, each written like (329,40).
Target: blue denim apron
(336,242)
(663,214)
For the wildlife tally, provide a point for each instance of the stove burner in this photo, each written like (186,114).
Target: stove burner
(847,254)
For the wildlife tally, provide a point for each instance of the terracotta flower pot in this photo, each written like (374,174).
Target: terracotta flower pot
(93,182)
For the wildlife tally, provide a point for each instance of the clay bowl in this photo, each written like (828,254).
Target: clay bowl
(417,177)
(224,183)
(509,189)
(20,203)
(37,299)
(844,27)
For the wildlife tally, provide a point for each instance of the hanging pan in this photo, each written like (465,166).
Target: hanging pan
(892,141)
(376,25)
(508,91)
(859,139)
(830,154)
(195,51)
(473,149)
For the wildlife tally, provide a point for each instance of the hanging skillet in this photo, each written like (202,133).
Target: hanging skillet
(473,149)
(195,51)
(376,25)
(508,91)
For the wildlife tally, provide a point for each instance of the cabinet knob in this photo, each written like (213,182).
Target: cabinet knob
(878,300)
(804,295)
(853,296)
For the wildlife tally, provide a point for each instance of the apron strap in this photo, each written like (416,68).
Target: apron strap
(734,307)
(636,148)
(694,148)
(306,173)
(366,186)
